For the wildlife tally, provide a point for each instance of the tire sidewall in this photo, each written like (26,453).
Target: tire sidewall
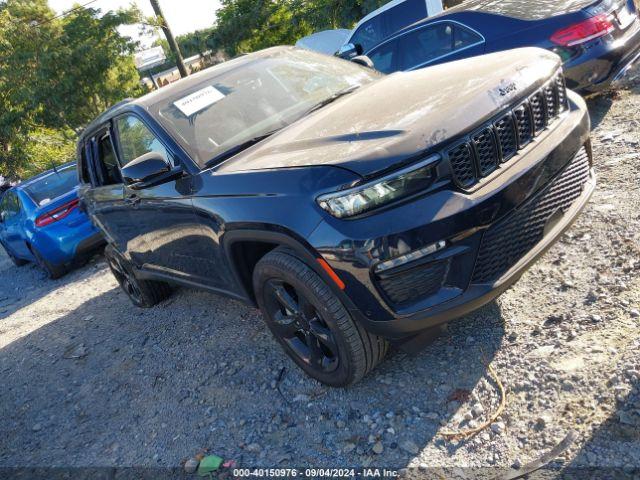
(345,372)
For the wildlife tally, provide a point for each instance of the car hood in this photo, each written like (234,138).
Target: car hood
(387,123)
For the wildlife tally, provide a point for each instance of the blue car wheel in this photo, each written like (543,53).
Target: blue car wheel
(52,271)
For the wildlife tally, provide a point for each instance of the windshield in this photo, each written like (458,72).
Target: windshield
(258,96)
(52,186)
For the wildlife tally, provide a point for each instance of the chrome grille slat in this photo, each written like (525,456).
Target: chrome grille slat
(499,141)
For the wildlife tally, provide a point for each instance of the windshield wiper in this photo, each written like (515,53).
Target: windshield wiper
(238,148)
(333,98)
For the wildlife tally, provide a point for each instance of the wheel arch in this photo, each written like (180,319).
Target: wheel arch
(246,247)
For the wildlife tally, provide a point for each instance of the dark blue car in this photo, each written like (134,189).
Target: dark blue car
(598,40)
(40,222)
(353,208)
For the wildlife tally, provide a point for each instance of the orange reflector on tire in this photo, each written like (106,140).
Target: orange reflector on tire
(327,268)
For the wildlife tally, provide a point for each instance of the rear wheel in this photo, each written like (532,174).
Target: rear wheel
(142,293)
(18,262)
(53,271)
(311,323)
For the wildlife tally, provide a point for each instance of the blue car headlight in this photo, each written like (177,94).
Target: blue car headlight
(403,183)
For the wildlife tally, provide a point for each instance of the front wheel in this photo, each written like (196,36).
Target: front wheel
(142,293)
(311,323)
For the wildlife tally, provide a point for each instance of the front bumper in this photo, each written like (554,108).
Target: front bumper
(353,248)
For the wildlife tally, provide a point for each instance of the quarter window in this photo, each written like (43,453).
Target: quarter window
(136,139)
(463,37)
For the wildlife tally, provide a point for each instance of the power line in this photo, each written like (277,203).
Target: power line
(63,14)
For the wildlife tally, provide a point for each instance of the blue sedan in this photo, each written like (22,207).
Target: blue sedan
(598,40)
(40,222)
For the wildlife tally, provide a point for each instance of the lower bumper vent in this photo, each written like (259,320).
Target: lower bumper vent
(506,242)
(414,284)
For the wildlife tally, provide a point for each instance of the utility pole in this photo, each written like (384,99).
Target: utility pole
(173,45)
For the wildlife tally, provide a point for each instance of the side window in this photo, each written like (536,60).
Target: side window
(463,37)
(4,205)
(107,161)
(384,57)
(425,45)
(136,139)
(11,205)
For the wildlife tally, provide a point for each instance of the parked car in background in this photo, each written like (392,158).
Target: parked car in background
(40,222)
(598,40)
(327,41)
(388,19)
(353,208)
(373,28)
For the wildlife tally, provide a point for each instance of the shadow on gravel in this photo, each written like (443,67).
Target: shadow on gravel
(109,384)
(599,106)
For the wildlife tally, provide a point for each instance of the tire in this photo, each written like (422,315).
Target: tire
(142,293)
(322,326)
(18,262)
(53,271)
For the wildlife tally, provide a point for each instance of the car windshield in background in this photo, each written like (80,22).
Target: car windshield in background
(52,186)
(258,97)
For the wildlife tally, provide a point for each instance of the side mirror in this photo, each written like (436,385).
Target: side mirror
(149,170)
(349,50)
(364,61)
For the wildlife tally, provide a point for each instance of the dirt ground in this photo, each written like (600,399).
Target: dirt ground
(87,380)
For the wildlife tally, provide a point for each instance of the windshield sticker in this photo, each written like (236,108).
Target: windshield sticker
(199,100)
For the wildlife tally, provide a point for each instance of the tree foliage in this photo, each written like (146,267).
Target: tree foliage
(56,74)
(246,25)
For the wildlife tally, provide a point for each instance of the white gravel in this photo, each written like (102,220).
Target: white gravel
(89,380)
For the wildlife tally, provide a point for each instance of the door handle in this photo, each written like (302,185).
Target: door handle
(132,199)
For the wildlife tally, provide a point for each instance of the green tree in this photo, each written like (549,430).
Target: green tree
(56,74)
(246,25)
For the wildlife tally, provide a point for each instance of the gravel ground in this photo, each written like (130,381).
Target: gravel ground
(88,380)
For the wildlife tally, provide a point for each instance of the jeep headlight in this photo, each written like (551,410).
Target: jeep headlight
(400,184)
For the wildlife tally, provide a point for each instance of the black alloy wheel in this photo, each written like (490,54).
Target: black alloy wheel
(298,323)
(309,320)
(142,293)
(127,281)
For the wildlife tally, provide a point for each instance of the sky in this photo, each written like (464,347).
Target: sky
(183,16)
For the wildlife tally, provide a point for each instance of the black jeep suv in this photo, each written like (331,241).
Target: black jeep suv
(354,209)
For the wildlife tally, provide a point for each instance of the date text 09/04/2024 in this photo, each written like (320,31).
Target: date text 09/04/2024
(315,473)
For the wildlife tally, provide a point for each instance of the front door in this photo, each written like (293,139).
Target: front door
(166,235)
